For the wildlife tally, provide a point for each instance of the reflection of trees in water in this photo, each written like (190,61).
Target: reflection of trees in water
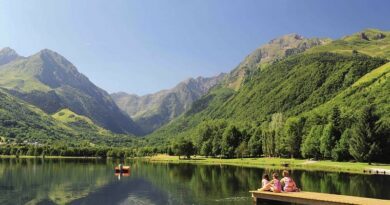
(62,181)
(38,180)
(203,183)
(346,184)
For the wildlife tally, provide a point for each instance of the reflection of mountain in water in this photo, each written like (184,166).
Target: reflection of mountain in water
(131,191)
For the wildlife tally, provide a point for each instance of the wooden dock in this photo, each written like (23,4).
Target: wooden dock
(315,198)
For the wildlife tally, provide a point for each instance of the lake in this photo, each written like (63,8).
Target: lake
(92,181)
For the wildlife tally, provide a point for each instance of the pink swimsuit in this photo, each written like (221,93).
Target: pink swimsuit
(288,184)
(277,187)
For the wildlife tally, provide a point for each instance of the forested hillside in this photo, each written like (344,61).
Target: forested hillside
(313,104)
(274,50)
(22,123)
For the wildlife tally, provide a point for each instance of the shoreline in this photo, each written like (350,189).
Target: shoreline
(264,162)
(279,163)
(46,157)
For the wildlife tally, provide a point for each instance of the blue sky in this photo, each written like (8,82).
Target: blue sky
(147,45)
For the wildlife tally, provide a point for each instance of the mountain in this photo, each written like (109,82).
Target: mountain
(22,122)
(276,49)
(7,55)
(154,110)
(52,83)
(297,85)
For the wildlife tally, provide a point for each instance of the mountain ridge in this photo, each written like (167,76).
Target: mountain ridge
(151,111)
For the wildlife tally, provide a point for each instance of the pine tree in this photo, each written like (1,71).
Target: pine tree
(364,143)
(340,152)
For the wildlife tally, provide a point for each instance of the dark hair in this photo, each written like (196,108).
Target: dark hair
(265,176)
(275,175)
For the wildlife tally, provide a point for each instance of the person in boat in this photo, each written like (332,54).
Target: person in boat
(288,183)
(264,182)
(120,168)
(273,185)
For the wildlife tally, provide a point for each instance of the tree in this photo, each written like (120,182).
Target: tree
(276,127)
(364,143)
(254,144)
(268,142)
(207,148)
(383,131)
(293,136)
(340,152)
(327,141)
(242,150)
(216,146)
(185,147)
(230,141)
(311,143)
(204,133)
(335,119)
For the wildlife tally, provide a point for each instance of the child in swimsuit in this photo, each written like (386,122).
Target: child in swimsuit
(273,185)
(277,187)
(264,182)
(289,184)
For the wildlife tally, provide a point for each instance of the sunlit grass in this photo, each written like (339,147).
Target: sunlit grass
(279,163)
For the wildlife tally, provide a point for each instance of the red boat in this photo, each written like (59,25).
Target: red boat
(125,169)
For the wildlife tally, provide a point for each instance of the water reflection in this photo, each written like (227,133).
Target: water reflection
(86,181)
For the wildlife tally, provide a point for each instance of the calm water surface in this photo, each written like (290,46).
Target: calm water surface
(86,181)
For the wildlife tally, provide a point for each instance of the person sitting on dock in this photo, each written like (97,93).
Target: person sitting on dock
(273,185)
(288,183)
(264,182)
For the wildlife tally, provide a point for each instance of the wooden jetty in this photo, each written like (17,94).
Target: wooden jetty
(315,198)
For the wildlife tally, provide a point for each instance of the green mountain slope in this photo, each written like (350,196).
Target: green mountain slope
(23,122)
(154,110)
(50,82)
(372,88)
(371,42)
(276,49)
(293,86)
(78,122)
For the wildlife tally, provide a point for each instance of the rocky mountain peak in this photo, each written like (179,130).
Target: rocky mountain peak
(7,55)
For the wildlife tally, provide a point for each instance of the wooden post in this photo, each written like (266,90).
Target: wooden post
(254,199)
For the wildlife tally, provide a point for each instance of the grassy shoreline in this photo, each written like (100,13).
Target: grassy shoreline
(276,163)
(46,157)
(269,163)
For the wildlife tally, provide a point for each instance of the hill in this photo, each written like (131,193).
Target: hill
(21,122)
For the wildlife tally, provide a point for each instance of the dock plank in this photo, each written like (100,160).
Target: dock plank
(316,198)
